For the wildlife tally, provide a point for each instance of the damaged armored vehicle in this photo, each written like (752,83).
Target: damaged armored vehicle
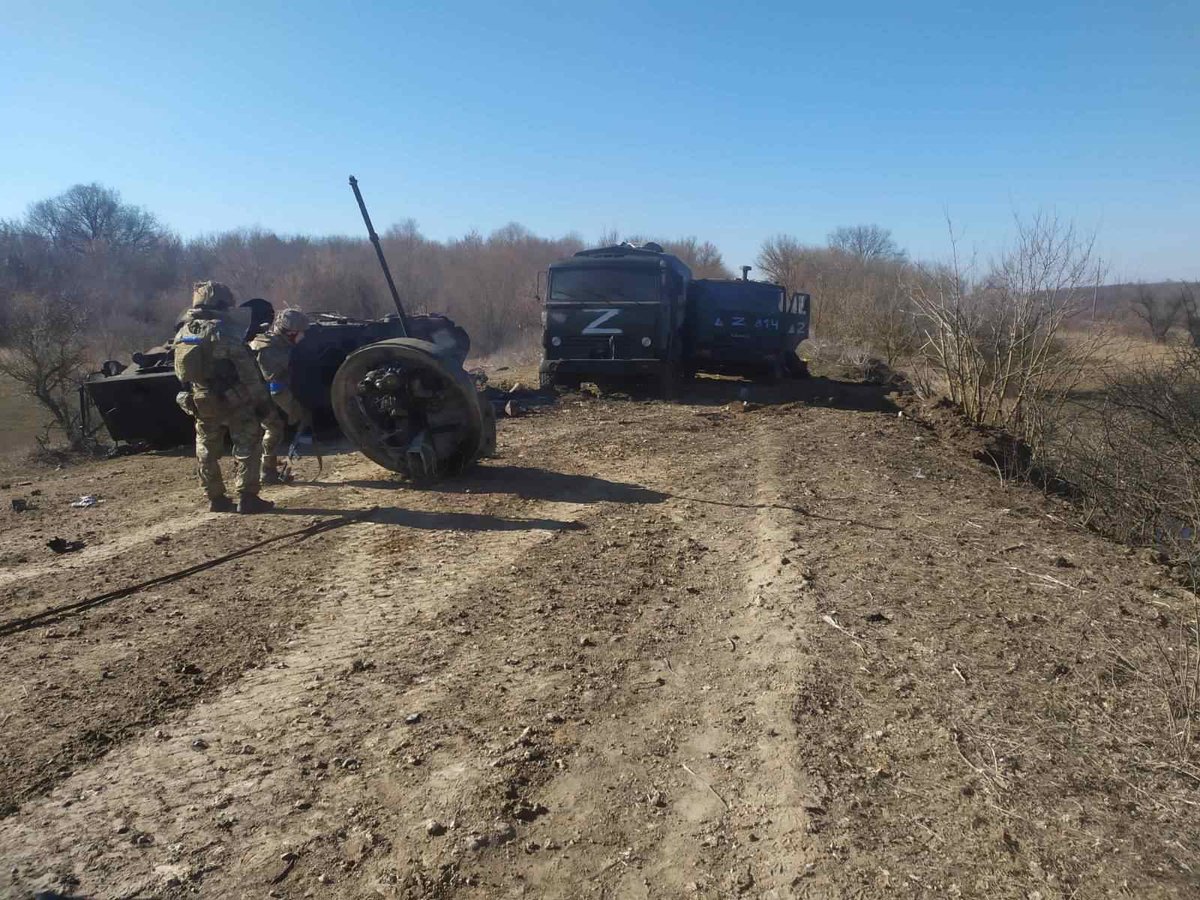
(394,387)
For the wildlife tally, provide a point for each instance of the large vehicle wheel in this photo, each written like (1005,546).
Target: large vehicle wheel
(409,406)
(554,381)
(796,367)
(668,383)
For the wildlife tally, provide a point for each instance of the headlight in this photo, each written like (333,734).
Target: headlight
(555,342)
(645,342)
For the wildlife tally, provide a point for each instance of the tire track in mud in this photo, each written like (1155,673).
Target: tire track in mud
(79,688)
(685,781)
(344,465)
(179,794)
(507,497)
(564,679)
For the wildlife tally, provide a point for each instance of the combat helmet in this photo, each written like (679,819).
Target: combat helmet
(289,320)
(211,295)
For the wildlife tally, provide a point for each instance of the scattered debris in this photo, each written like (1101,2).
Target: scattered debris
(693,773)
(503,833)
(412,718)
(59,545)
(434,828)
(19,504)
(527,812)
(85,501)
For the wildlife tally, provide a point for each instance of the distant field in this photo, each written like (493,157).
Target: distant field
(20,421)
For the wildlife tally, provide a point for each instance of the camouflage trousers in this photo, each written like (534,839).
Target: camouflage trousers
(274,436)
(215,418)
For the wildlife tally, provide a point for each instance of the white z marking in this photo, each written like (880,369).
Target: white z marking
(594,326)
(738,322)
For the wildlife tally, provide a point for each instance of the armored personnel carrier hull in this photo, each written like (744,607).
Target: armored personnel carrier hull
(412,408)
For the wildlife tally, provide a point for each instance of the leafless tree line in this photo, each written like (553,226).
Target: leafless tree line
(131,275)
(86,276)
(857,279)
(1163,307)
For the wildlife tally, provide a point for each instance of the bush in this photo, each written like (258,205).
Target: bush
(997,343)
(46,354)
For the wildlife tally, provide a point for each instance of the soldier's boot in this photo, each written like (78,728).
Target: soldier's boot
(221,504)
(270,470)
(252,503)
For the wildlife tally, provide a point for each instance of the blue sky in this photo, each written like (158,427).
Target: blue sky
(733,122)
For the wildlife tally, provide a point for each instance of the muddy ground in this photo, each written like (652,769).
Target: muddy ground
(807,649)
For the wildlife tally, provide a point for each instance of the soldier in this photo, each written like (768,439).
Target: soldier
(225,393)
(273,350)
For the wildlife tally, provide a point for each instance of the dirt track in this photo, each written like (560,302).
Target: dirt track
(652,650)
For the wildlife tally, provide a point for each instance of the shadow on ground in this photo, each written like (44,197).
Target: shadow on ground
(858,396)
(531,483)
(438,521)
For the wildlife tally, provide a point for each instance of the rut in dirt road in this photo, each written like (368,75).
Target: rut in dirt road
(656,650)
(593,639)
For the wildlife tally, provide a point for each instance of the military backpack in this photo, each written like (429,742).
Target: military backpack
(197,360)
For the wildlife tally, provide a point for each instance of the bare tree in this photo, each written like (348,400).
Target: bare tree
(702,257)
(998,343)
(46,354)
(782,258)
(88,217)
(1188,302)
(1158,312)
(865,242)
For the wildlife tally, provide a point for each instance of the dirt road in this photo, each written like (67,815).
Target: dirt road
(652,650)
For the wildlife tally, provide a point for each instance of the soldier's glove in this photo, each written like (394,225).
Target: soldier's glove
(186,402)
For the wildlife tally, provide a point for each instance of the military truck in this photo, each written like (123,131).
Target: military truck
(614,313)
(626,310)
(744,327)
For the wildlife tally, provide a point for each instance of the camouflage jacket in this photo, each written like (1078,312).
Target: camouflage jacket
(235,376)
(274,354)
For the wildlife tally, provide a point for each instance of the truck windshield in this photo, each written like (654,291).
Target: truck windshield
(590,284)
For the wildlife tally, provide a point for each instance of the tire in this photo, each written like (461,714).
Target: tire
(796,367)
(456,428)
(668,383)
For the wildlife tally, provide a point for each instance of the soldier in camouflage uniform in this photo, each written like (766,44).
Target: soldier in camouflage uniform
(273,349)
(224,391)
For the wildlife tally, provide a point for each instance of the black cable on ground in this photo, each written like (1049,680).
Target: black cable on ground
(24,623)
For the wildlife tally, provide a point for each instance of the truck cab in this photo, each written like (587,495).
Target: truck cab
(744,327)
(614,313)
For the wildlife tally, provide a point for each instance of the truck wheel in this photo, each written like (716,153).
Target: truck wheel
(668,383)
(796,367)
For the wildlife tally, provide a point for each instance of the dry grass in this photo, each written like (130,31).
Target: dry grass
(20,422)
(1120,350)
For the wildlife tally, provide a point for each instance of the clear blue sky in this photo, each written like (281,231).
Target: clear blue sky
(729,121)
